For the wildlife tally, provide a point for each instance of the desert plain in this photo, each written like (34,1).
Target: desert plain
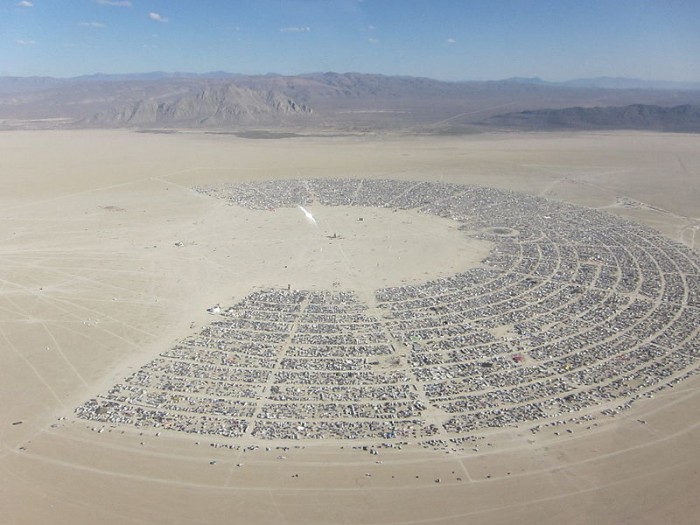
(109,256)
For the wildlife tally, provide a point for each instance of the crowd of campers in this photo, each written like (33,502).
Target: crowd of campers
(573,313)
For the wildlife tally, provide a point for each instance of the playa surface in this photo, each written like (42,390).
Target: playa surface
(109,257)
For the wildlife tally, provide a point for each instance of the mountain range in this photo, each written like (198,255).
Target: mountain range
(351,102)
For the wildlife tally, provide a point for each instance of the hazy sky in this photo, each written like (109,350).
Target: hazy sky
(445,39)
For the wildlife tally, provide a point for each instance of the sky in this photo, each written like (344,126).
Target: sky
(443,39)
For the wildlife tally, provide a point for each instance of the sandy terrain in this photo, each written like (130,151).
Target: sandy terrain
(93,286)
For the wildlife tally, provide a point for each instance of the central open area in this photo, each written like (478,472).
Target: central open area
(341,247)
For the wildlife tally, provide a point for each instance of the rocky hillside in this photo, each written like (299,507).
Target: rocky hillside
(210,105)
(685,118)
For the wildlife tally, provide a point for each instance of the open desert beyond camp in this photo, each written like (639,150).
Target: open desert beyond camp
(122,249)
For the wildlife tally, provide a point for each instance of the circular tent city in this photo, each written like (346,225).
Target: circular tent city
(527,312)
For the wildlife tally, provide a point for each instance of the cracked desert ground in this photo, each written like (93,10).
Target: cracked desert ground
(93,285)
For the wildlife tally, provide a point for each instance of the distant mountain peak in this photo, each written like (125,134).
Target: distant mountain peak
(526,80)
